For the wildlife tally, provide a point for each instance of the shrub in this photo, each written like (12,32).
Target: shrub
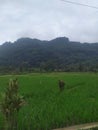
(11,105)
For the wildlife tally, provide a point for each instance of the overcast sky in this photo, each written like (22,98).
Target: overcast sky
(48,19)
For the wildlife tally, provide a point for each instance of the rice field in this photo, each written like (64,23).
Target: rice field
(47,108)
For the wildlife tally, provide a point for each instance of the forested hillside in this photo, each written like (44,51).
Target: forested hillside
(59,54)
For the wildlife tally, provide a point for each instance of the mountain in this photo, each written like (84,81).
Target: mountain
(59,54)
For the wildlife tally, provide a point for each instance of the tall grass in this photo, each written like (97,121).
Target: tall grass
(48,108)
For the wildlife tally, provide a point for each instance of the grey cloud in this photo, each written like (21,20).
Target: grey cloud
(48,19)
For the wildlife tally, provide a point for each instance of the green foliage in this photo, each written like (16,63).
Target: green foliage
(47,108)
(60,54)
(11,105)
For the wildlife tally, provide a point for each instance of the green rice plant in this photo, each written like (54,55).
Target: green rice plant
(46,108)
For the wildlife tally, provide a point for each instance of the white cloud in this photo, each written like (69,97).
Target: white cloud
(48,19)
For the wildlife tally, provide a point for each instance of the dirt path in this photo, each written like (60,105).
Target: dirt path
(80,127)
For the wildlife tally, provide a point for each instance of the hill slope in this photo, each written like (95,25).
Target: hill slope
(57,54)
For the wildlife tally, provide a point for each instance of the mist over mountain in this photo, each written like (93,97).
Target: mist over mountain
(59,54)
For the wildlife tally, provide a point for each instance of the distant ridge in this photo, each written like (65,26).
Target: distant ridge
(59,54)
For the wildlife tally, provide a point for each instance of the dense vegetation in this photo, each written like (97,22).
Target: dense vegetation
(59,54)
(47,108)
